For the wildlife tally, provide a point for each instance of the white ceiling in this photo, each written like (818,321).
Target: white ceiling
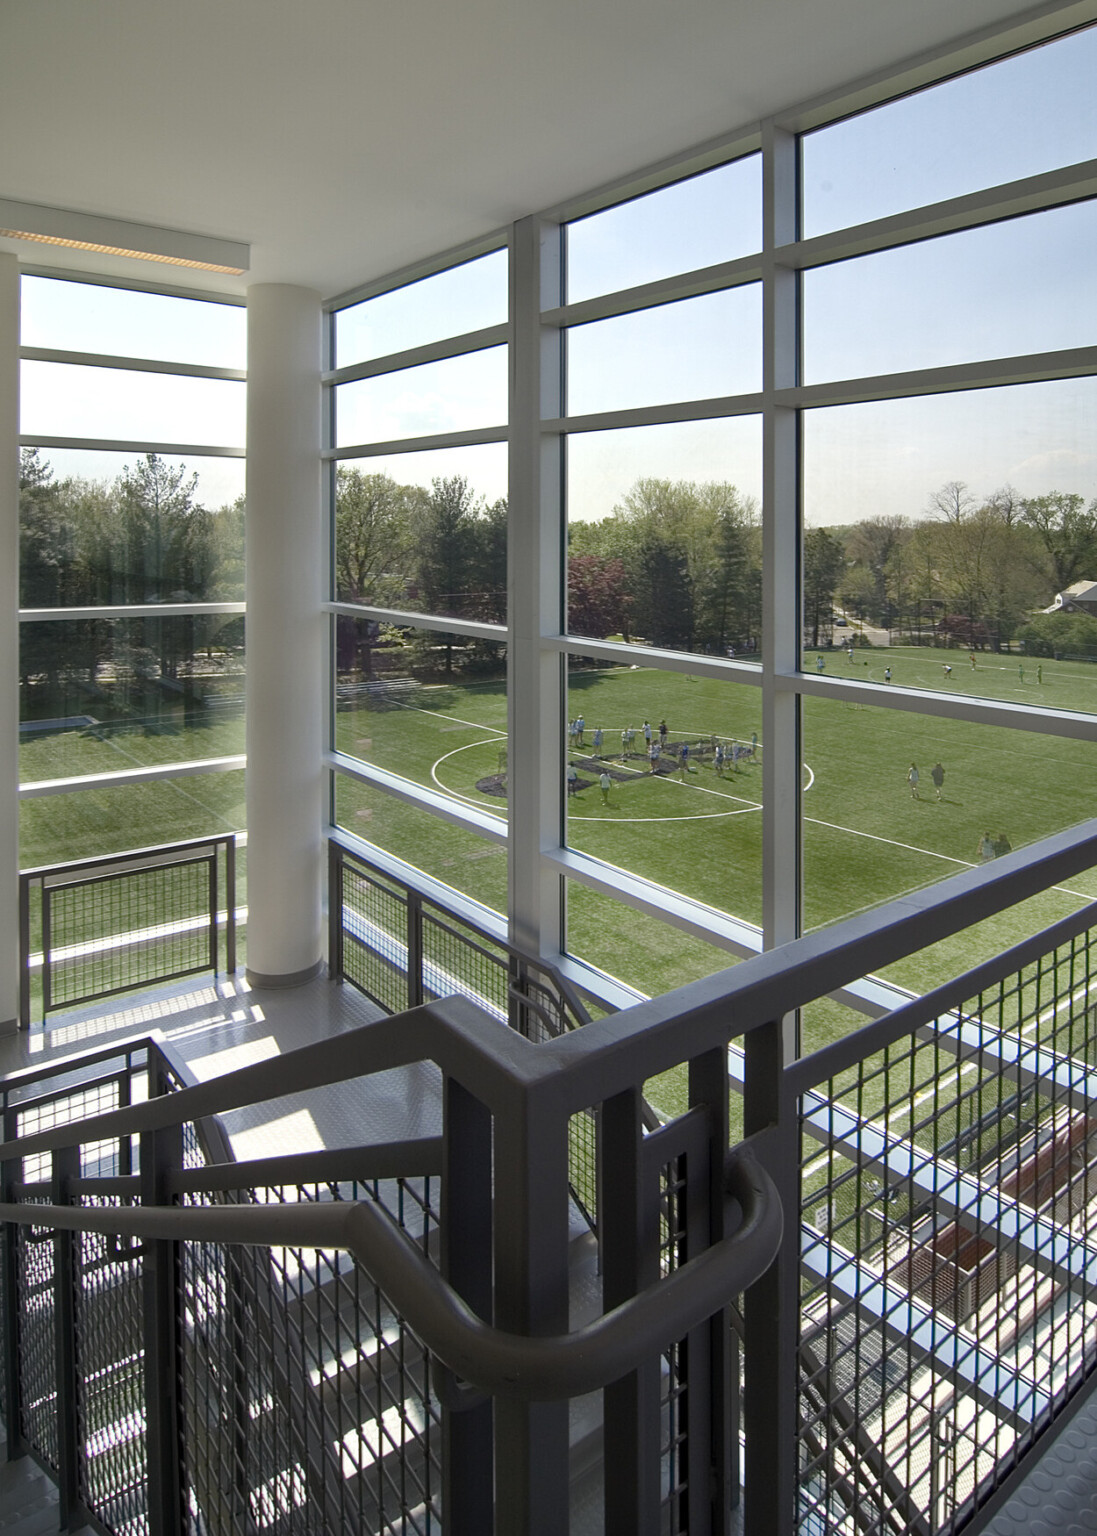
(346,138)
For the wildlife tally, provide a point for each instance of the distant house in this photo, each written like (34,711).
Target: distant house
(1079,597)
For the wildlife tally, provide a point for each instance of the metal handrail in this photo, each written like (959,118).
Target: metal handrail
(542,1369)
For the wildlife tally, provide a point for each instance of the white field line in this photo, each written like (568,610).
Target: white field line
(133,938)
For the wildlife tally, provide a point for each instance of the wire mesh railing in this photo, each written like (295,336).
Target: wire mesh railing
(97,927)
(949,1248)
(927,1318)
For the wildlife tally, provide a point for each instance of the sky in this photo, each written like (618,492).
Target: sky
(1001,290)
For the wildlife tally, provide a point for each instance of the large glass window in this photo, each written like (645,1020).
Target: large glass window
(1017,117)
(664,535)
(451,303)
(424,531)
(663,778)
(427,705)
(70,400)
(939,450)
(109,528)
(102,695)
(458,394)
(944,526)
(124,530)
(695,349)
(712,217)
(121,322)
(457,857)
(996,291)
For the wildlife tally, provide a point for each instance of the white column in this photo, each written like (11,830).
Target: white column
(285,635)
(9,640)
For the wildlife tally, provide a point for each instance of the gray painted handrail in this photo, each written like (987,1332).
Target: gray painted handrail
(540,1369)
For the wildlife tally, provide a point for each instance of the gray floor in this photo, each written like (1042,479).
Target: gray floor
(217,1024)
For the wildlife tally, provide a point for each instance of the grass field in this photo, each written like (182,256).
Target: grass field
(866,839)
(698,832)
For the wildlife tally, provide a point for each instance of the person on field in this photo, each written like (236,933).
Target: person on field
(662,735)
(718,760)
(598,740)
(1002,845)
(647,732)
(912,780)
(887,674)
(653,756)
(573,779)
(937,774)
(683,758)
(986,848)
(603,785)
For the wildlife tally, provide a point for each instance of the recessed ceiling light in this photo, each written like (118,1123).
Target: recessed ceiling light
(118,237)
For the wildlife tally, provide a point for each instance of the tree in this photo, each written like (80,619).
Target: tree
(373,537)
(447,540)
(598,599)
(1067,532)
(876,546)
(824,563)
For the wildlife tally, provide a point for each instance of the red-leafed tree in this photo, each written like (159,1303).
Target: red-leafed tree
(598,602)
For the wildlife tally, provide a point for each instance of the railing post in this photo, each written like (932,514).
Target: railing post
(415,949)
(718,1457)
(467,1459)
(530,1241)
(771,1306)
(66,1166)
(335,911)
(161,1152)
(213,910)
(628,1226)
(230,905)
(9,1298)
(24,951)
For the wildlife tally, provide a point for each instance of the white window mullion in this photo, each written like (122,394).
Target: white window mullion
(536,548)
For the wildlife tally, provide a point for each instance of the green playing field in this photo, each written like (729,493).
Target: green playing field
(696,831)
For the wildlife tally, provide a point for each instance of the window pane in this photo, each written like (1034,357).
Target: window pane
(101,528)
(122,322)
(665,537)
(428,706)
(458,394)
(98,696)
(1017,117)
(683,809)
(69,400)
(692,350)
(715,216)
(634,947)
(960,518)
(83,823)
(452,854)
(425,531)
(465,298)
(867,839)
(1021,286)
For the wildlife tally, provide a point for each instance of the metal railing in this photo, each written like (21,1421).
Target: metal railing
(927,1318)
(107,925)
(400,948)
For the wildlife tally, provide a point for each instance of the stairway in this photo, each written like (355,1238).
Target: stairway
(29,1504)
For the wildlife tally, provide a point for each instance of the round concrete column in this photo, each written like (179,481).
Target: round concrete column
(285,635)
(9,639)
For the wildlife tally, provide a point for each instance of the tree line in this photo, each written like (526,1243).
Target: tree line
(974,570)
(143,537)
